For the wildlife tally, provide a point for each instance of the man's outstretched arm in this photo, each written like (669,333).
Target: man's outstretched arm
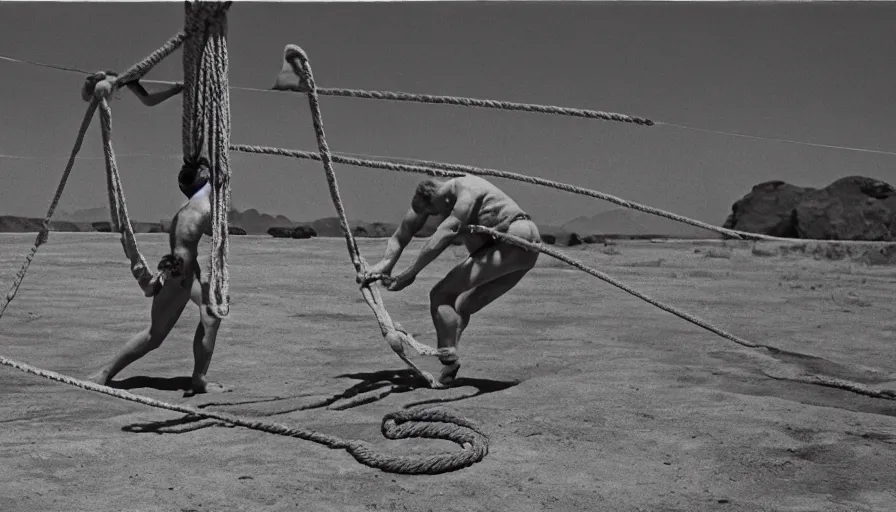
(410,224)
(153,99)
(441,239)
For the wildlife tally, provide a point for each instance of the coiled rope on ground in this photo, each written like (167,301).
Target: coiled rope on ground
(430,423)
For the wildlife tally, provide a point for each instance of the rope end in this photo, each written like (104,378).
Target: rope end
(293,76)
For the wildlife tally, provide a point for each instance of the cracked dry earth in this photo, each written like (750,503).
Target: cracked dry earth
(593,399)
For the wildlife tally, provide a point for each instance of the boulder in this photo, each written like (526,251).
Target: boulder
(303,231)
(102,226)
(235,230)
(280,232)
(573,240)
(767,209)
(851,208)
(549,239)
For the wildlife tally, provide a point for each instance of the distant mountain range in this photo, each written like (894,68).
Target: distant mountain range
(618,221)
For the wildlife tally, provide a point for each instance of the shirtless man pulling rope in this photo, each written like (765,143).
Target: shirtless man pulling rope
(177,283)
(491,270)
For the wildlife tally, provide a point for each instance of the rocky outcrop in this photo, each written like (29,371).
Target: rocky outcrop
(853,208)
(850,208)
(767,209)
(303,231)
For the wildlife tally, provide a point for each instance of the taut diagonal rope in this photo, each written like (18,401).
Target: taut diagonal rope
(821,380)
(43,235)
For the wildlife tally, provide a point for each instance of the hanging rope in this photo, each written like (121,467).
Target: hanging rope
(121,221)
(395,336)
(206,132)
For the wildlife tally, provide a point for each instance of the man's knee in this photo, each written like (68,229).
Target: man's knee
(154,338)
(209,321)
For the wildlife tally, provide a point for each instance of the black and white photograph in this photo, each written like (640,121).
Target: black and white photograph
(448,256)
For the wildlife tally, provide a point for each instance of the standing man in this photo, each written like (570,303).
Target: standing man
(177,284)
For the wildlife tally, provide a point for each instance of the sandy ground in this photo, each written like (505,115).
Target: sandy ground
(593,400)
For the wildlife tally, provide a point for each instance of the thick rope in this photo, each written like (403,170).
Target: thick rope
(395,336)
(138,70)
(206,129)
(121,221)
(98,98)
(371,93)
(448,170)
(427,423)
(808,379)
(43,234)
(483,103)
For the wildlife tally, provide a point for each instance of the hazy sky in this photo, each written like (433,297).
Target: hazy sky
(823,73)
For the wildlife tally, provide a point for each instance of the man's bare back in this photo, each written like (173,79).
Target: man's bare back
(491,270)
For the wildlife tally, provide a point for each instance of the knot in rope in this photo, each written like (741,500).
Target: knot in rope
(100,85)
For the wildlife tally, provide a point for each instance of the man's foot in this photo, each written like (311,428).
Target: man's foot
(203,386)
(449,373)
(98,378)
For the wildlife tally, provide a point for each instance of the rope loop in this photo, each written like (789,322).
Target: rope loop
(294,75)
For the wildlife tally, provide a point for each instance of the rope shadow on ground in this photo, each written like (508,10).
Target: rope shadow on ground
(374,386)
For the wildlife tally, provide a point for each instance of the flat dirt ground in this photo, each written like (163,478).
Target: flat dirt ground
(593,399)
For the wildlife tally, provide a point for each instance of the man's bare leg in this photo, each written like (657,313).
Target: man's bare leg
(479,270)
(203,344)
(167,307)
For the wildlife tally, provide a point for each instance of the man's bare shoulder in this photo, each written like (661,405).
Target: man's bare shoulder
(472,187)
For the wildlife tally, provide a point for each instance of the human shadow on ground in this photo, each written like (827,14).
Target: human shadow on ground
(374,386)
(160,383)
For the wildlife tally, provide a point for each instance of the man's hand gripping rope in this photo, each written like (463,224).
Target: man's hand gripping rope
(393,284)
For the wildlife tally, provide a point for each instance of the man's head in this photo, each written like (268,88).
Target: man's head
(193,176)
(425,197)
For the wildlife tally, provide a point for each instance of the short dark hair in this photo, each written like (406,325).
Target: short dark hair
(193,175)
(423,196)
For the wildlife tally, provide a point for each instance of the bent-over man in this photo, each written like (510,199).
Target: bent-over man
(491,270)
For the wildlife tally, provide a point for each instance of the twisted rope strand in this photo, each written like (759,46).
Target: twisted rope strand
(121,221)
(441,169)
(484,103)
(372,93)
(808,379)
(396,338)
(138,70)
(206,126)
(43,235)
(429,423)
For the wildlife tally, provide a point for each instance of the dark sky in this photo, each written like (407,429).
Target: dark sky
(818,72)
